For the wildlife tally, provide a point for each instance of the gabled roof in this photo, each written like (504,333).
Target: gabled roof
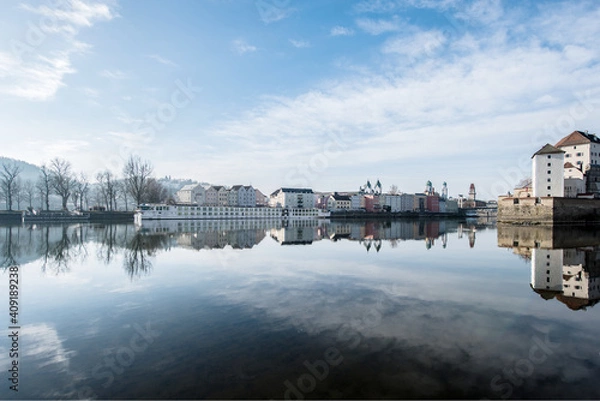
(570,165)
(189,187)
(216,187)
(547,149)
(236,187)
(341,198)
(293,190)
(577,138)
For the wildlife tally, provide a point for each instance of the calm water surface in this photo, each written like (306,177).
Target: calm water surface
(313,310)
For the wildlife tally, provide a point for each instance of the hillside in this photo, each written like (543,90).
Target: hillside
(29,171)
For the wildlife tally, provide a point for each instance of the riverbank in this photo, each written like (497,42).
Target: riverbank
(54,216)
(353,215)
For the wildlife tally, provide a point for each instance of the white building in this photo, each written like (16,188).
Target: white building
(581,149)
(574,181)
(216,195)
(247,196)
(233,195)
(193,193)
(548,172)
(302,198)
(393,203)
(570,275)
(337,202)
(546,269)
(407,202)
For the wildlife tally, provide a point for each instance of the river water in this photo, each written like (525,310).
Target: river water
(254,309)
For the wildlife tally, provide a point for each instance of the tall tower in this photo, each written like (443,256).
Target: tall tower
(472,193)
(429,188)
(548,172)
(445,190)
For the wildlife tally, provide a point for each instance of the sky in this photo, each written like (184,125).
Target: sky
(322,94)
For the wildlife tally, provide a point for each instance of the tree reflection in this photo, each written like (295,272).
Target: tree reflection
(139,250)
(68,248)
(8,249)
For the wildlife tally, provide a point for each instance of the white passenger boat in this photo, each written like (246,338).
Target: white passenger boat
(195,212)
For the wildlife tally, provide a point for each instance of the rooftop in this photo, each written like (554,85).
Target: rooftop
(547,149)
(578,138)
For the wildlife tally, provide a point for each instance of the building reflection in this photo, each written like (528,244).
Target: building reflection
(57,246)
(373,234)
(565,262)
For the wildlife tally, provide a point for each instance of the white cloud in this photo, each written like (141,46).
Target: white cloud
(379,26)
(46,348)
(341,31)
(72,14)
(113,74)
(300,43)
(241,47)
(414,46)
(90,92)
(435,103)
(39,70)
(387,6)
(37,79)
(274,10)
(162,60)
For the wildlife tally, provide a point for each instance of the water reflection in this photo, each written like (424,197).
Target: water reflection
(565,262)
(59,246)
(411,322)
(371,234)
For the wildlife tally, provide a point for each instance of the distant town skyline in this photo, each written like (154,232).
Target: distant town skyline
(283,93)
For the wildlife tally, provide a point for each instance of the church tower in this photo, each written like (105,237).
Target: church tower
(445,190)
(472,193)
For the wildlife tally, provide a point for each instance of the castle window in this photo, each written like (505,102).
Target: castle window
(549,179)
(549,156)
(516,201)
(549,172)
(568,155)
(549,164)
(549,187)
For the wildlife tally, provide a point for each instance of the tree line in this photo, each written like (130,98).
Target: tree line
(135,185)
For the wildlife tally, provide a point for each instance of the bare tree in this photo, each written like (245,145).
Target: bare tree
(80,190)
(8,176)
(137,172)
(61,179)
(43,185)
(18,192)
(124,193)
(28,191)
(109,189)
(155,192)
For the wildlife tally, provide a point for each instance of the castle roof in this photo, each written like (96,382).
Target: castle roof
(577,138)
(547,149)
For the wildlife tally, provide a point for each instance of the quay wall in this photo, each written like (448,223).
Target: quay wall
(548,236)
(548,210)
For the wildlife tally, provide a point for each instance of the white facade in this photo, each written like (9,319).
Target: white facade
(247,196)
(302,198)
(337,202)
(393,202)
(546,269)
(408,202)
(564,272)
(193,193)
(548,172)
